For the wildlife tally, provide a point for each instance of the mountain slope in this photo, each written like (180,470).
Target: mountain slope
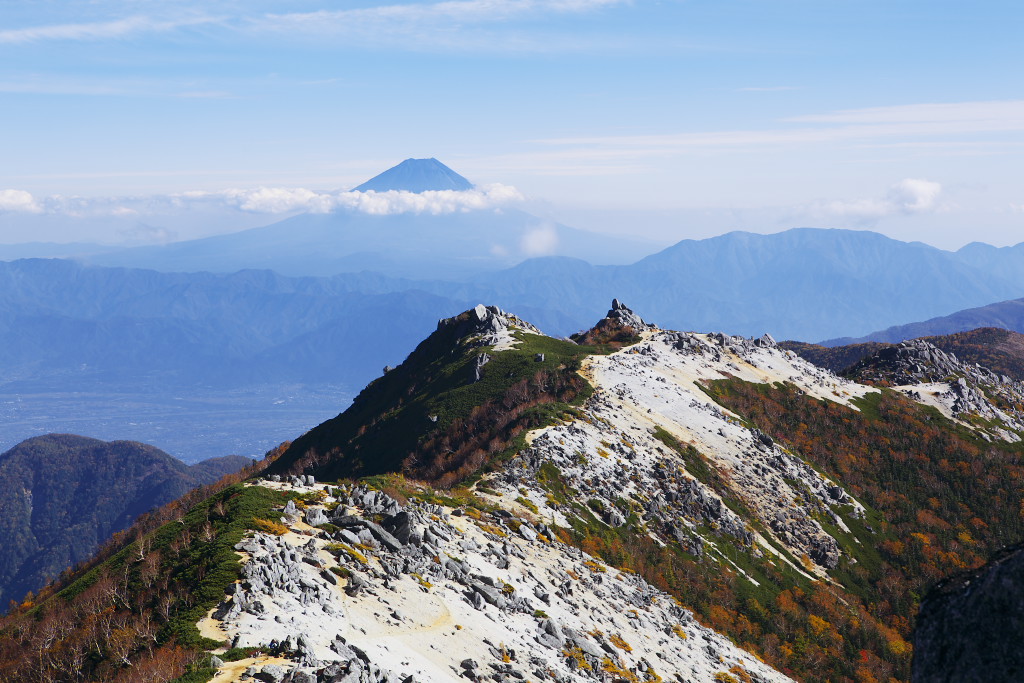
(417,414)
(62,496)
(595,503)
(834,358)
(509,601)
(765,485)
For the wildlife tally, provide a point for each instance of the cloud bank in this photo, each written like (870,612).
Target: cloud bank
(277,200)
(268,200)
(18,201)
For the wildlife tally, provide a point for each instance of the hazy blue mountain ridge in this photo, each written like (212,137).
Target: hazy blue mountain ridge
(1007,315)
(418,245)
(74,335)
(56,316)
(794,284)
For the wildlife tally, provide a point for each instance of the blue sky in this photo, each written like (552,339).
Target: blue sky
(130,120)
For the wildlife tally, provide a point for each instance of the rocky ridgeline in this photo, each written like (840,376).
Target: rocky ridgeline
(918,362)
(616,458)
(363,588)
(967,389)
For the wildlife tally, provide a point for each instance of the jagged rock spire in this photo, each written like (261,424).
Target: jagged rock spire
(626,317)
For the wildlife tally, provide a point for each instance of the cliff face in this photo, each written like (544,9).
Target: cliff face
(970,627)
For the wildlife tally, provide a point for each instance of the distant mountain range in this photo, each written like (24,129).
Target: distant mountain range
(795,284)
(1007,315)
(329,299)
(66,328)
(62,495)
(112,326)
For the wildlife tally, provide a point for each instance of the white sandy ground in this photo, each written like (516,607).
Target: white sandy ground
(935,394)
(406,627)
(940,395)
(612,453)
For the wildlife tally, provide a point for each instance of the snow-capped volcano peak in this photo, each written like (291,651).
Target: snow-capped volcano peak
(416,175)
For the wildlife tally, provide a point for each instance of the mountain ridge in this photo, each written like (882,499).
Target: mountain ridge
(1008,315)
(792,511)
(996,348)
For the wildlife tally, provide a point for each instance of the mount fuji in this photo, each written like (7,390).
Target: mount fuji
(417,244)
(416,175)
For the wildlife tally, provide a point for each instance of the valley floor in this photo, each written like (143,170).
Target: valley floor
(191,425)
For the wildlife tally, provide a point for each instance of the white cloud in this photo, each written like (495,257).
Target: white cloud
(905,122)
(102,30)
(540,241)
(914,195)
(20,201)
(287,200)
(908,197)
(267,200)
(278,200)
(460,11)
(453,24)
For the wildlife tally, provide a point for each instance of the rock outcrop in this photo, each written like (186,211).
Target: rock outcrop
(488,326)
(623,315)
(400,592)
(970,627)
(960,390)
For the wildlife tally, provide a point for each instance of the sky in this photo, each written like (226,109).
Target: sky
(144,121)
